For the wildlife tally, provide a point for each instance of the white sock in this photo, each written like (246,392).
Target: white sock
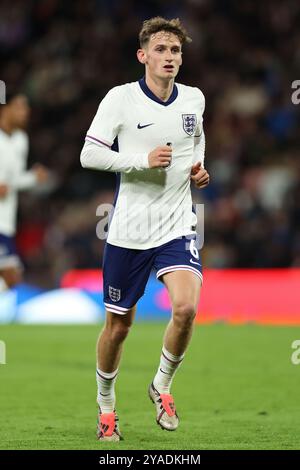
(166,371)
(106,397)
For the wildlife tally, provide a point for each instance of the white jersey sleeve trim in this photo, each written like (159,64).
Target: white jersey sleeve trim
(94,140)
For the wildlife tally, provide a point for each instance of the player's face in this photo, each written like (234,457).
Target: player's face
(163,55)
(19,111)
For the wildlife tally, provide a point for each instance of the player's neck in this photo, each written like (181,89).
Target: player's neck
(161,88)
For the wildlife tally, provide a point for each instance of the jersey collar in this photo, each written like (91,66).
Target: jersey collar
(152,96)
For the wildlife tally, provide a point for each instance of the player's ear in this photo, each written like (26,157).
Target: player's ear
(141,56)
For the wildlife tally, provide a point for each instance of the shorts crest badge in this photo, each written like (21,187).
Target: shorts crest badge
(114,294)
(189,123)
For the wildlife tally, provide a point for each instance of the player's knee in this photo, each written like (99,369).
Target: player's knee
(119,332)
(184,315)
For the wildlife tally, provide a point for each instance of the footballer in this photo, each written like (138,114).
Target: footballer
(13,178)
(157,126)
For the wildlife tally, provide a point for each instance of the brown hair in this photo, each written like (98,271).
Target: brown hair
(157,24)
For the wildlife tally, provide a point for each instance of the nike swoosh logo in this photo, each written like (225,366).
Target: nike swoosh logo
(146,125)
(194,262)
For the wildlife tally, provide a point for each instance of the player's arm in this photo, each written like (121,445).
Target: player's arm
(29,179)
(24,180)
(100,157)
(21,178)
(18,180)
(107,124)
(198,173)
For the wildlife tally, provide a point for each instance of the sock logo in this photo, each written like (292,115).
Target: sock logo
(164,372)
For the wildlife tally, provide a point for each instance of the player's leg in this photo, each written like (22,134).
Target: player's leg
(11,274)
(11,269)
(9,278)
(184,290)
(110,341)
(178,266)
(109,349)
(125,274)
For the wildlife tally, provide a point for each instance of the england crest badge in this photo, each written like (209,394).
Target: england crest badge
(189,123)
(114,294)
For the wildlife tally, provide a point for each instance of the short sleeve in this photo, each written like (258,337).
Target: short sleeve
(108,119)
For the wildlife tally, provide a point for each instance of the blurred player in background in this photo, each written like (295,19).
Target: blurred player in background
(13,178)
(161,149)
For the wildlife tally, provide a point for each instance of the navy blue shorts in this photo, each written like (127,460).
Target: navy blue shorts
(8,253)
(126,271)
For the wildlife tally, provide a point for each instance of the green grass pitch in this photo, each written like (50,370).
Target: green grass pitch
(236,389)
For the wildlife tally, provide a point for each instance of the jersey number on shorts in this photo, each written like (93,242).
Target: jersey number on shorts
(193,250)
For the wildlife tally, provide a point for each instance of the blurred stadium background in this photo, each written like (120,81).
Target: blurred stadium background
(244,56)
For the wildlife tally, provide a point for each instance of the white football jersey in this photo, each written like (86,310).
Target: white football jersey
(13,159)
(153,206)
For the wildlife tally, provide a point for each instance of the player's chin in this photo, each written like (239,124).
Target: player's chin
(170,73)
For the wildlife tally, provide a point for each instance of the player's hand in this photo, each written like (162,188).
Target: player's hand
(3,190)
(41,173)
(160,157)
(199,175)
